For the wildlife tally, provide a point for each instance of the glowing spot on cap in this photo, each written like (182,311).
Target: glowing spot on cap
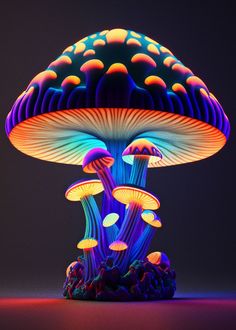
(143,58)
(43,76)
(204,92)
(87,243)
(79,47)
(135,34)
(117,67)
(116,35)
(103,32)
(89,52)
(99,42)
(133,42)
(64,59)
(82,40)
(169,60)
(118,246)
(70,80)
(181,68)
(68,49)
(178,88)
(153,49)
(165,50)
(110,219)
(151,40)
(91,65)
(195,81)
(93,36)
(155,80)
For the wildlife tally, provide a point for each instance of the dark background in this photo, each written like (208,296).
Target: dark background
(39,228)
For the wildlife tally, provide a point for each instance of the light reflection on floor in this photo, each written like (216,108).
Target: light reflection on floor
(193,313)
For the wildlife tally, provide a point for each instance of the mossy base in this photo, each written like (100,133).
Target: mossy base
(143,281)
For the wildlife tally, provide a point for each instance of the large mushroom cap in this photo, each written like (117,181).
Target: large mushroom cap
(128,194)
(112,85)
(83,188)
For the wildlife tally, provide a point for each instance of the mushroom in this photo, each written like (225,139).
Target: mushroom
(138,200)
(90,262)
(70,267)
(109,222)
(159,259)
(141,246)
(83,191)
(124,91)
(106,91)
(99,161)
(142,154)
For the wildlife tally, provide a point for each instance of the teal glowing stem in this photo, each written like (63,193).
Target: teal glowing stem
(139,171)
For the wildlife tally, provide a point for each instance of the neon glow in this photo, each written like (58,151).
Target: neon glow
(118,103)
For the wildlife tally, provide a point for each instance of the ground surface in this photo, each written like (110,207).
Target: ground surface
(57,313)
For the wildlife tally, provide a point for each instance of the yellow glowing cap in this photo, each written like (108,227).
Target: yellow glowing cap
(154,257)
(128,194)
(118,246)
(87,243)
(151,218)
(83,188)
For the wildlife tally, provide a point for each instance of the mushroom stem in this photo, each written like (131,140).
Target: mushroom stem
(128,233)
(107,181)
(139,171)
(120,171)
(140,248)
(94,226)
(90,264)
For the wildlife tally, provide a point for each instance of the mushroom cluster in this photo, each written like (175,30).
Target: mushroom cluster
(117,102)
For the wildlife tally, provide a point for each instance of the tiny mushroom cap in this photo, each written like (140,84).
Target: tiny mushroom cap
(159,258)
(129,193)
(142,148)
(118,246)
(83,188)
(151,218)
(110,219)
(71,265)
(96,159)
(87,243)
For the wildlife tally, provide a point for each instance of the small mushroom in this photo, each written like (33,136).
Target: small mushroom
(83,191)
(99,161)
(142,154)
(90,262)
(109,222)
(159,259)
(138,200)
(141,246)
